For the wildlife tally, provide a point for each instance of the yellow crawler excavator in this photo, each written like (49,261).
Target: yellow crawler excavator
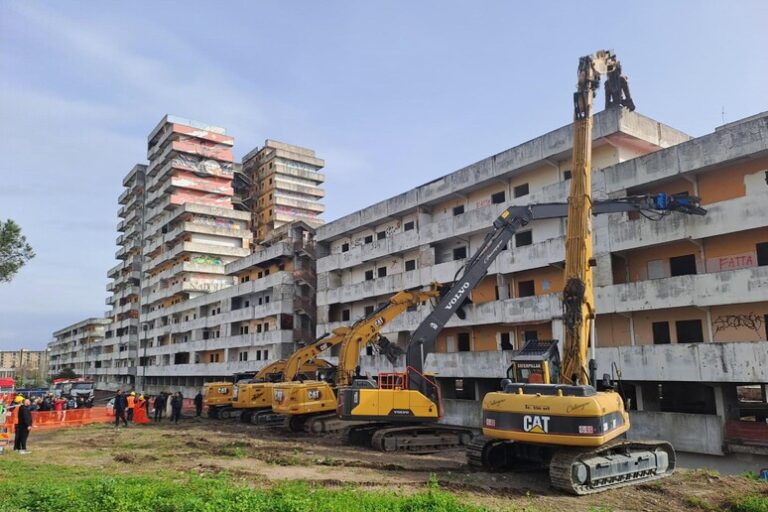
(403,408)
(254,398)
(549,411)
(218,397)
(311,405)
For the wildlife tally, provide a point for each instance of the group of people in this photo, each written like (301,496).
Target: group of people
(52,403)
(136,408)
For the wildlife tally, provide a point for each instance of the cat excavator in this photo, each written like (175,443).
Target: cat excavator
(310,405)
(551,411)
(403,408)
(218,396)
(254,398)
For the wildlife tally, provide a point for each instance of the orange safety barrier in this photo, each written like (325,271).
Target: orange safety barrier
(7,426)
(71,418)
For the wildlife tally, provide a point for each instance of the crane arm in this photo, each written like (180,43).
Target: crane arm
(368,329)
(306,354)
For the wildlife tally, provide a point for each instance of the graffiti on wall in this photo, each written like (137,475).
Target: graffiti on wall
(374,244)
(749,321)
(216,222)
(207,260)
(733,262)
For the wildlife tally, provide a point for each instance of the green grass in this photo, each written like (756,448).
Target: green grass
(48,488)
(751,504)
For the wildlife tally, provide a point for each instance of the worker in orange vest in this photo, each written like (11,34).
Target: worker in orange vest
(131,405)
(140,412)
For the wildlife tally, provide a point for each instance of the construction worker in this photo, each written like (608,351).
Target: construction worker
(131,405)
(198,404)
(119,407)
(23,424)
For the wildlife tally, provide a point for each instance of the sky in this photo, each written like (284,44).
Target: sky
(391,94)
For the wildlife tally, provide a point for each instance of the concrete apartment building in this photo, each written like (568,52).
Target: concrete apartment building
(682,303)
(25,365)
(118,352)
(78,347)
(193,298)
(284,186)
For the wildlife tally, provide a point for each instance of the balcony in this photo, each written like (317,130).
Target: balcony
(737,362)
(539,308)
(614,233)
(743,140)
(258,257)
(483,365)
(700,290)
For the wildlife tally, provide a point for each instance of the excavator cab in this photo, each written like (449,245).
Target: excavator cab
(538,362)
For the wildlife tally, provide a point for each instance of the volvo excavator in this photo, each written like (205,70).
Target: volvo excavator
(404,407)
(311,405)
(552,411)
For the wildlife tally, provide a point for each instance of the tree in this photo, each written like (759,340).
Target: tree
(15,252)
(66,373)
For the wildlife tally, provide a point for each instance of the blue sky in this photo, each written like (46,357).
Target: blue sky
(390,94)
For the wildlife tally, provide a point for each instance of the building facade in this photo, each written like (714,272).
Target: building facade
(118,353)
(284,186)
(682,303)
(193,298)
(78,347)
(24,365)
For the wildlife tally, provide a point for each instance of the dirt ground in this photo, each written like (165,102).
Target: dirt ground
(261,456)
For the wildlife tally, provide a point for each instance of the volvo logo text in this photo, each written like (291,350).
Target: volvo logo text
(458,296)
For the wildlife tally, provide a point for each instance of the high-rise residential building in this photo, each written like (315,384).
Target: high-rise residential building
(282,185)
(78,347)
(191,229)
(682,303)
(118,353)
(191,301)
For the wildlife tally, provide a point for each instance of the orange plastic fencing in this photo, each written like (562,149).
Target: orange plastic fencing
(71,418)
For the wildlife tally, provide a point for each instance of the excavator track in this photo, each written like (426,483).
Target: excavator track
(617,464)
(579,471)
(419,438)
(326,424)
(266,417)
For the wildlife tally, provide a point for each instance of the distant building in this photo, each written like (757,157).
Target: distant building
(27,365)
(78,347)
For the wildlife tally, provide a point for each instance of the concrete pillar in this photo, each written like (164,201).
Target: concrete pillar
(726,402)
(558,333)
(501,286)
(639,405)
(603,272)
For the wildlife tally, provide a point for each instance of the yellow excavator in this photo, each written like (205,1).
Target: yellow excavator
(218,396)
(311,405)
(552,412)
(403,408)
(254,398)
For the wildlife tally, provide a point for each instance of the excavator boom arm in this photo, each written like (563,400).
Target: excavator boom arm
(367,329)
(305,354)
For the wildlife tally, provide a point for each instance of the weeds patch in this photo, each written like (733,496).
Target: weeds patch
(207,493)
